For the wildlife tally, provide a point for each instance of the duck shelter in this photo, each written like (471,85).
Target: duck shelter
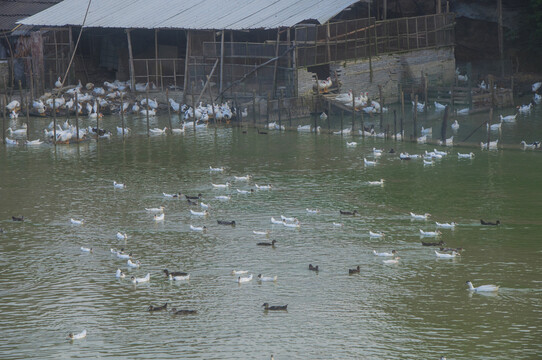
(240,48)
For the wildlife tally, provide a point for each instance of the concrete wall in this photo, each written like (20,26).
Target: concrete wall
(390,71)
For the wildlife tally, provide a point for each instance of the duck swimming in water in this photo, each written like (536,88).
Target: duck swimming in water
(157,308)
(354,271)
(223,222)
(174,273)
(482,288)
(313,268)
(272,243)
(174,311)
(498,222)
(274,308)
(81,335)
(353,213)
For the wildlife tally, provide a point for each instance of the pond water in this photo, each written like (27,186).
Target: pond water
(419,308)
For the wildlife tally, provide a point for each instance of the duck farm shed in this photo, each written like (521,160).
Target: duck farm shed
(238,47)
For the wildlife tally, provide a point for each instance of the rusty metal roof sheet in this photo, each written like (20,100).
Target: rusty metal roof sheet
(13,10)
(188,14)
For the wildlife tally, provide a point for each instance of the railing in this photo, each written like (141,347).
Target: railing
(164,72)
(362,38)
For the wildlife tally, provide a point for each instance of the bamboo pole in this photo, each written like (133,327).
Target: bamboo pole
(254,107)
(27,117)
(395,124)
(168,111)
(444,125)
(212,102)
(381,105)
(97,121)
(500,36)
(221,63)
(362,125)
(279,113)
(156,57)
(276,66)
(54,120)
(415,124)
(3,104)
(186,74)
(193,108)
(267,114)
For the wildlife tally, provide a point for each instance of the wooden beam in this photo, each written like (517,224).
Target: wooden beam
(156,57)
(131,59)
(187,58)
(221,62)
(276,63)
(207,82)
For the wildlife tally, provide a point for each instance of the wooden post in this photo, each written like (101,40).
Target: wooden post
(385,10)
(469,84)
(500,36)
(70,40)
(329,116)
(254,107)
(402,131)
(438,7)
(362,125)
(21,94)
(488,124)
(276,66)
(168,111)
(353,110)
(186,74)
(278,106)
(425,86)
(31,82)
(402,105)
(122,115)
(76,107)
(3,104)
(415,125)
(314,113)
(395,124)
(156,57)
(221,63)
(328,35)
(147,112)
(51,81)
(193,108)
(54,120)
(97,121)
(131,60)
(211,99)
(267,115)
(444,125)
(27,103)
(381,105)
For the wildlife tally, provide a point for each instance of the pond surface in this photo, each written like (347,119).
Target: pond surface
(419,308)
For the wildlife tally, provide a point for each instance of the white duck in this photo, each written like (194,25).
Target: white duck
(351,143)
(223,197)
(427,131)
(392,261)
(304,128)
(376,234)
(221,186)
(242,178)
(242,280)
(275,221)
(420,216)
(439,106)
(338,224)
(446,225)
(197,228)
(291,225)
(136,280)
(216,169)
(428,162)
(177,131)
(121,236)
(289,219)
(313,211)
(155,210)
(239,272)
(532,146)
(430,233)
(85,249)
(525,109)
(455,126)
(494,127)
(369,162)
(174,105)
(447,142)
(345,97)
(419,106)
(123,256)
(464,111)
(119,274)
(263,187)
(491,145)
(446,256)
(482,288)
(465,156)
(159,217)
(199,213)
(18,132)
(179,277)
(204,205)
(33,142)
(343,131)
(81,335)
(376,183)
(422,139)
(267,278)
(536,86)
(14,105)
(117,185)
(77,222)
(146,112)
(388,254)
(131,264)
(256,232)
(58,82)
(126,130)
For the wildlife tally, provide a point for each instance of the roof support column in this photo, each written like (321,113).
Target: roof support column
(276,63)
(187,59)
(221,64)
(131,59)
(156,57)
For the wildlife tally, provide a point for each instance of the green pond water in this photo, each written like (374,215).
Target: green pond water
(419,308)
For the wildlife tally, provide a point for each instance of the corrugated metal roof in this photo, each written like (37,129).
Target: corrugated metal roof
(13,10)
(188,14)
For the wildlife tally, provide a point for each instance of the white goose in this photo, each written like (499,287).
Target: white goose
(242,280)
(446,256)
(304,128)
(85,249)
(81,335)
(491,145)
(117,185)
(351,144)
(33,142)
(159,217)
(447,142)
(199,213)
(375,234)
(18,132)
(508,118)
(420,216)
(216,169)
(446,225)
(77,222)
(422,139)
(428,131)
(388,254)
(155,210)
(136,280)
(482,288)
(368,162)
(275,221)
(465,156)
(263,187)
(430,233)
(121,236)
(131,264)
(439,106)
(157,131)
